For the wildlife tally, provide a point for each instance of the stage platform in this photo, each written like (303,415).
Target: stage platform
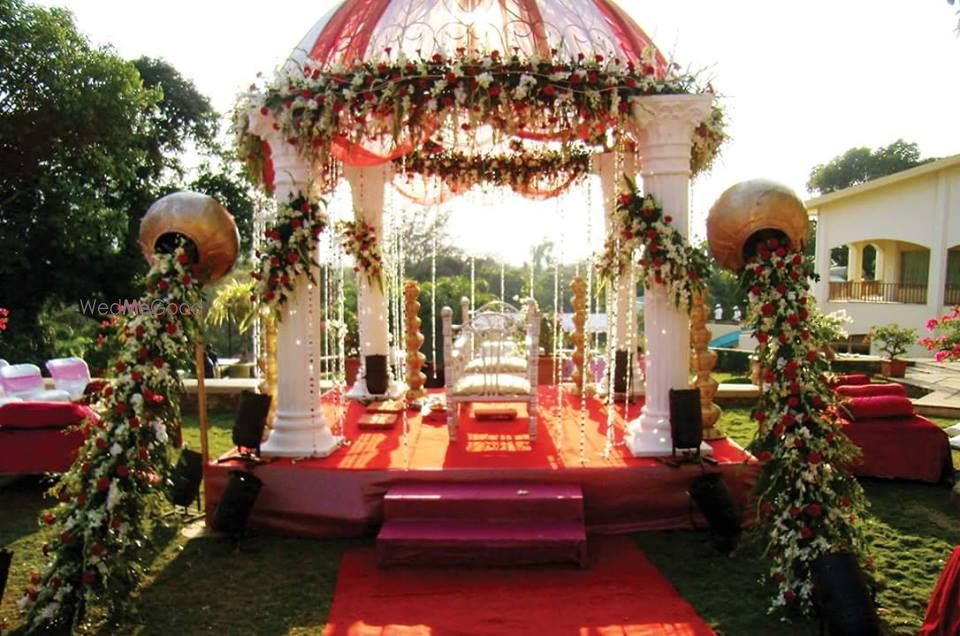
(342,495)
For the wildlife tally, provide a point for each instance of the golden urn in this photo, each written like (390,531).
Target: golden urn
(201,219)
(751,208)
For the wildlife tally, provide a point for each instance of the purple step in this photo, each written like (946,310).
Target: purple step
(490,543)
(484,501)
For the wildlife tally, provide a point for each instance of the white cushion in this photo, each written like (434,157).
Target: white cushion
(46,395)
(496,348)
(492,364)
(492,384)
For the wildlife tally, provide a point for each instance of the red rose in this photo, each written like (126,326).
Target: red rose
(793,401)
(264,111)
(794,511)
(668,219)
(101,443)
(651,234)
(296,224)
(806,532)
(123,470)
(767,309)
(814,458)
(144,453)
(103,484)
(171,328)
(549,90)
(788,596)
(32,593)
(158,362)
(814,510)
(845,502)
(761,337)
(48,519)
(764,457)
(116,522)
(186,279)
(81,499)
(97,550)
(625,199)
(292,257)
(163,284)
(89,578)
(134,422)
(66,537)
(136,376)
(494,91)
(182,258)
(811,356)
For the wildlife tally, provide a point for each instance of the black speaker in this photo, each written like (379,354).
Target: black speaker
(711,495)
(187,475)
(251,420)
(376,374)
(686,419)
(841,596)
(6,558)
(235,505)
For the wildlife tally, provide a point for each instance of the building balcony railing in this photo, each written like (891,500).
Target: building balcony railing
(951,296)
(874,291)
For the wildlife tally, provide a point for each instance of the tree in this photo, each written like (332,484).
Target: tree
(859,165)
(87,142)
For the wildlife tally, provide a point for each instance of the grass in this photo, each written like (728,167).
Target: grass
(285,585)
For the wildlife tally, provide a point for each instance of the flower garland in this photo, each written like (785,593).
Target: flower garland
(102,523)
(641,230)
(808,503)
(4,317)
(400,103)
(360,242)
(519,171)
(946,344)
(288,250)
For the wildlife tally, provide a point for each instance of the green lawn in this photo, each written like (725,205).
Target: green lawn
(284,585)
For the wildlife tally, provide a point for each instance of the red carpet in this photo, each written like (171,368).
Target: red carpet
(620,594)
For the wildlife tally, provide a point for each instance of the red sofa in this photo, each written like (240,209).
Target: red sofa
(40,437)
(894,440)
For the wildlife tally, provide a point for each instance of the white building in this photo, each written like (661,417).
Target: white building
(902,233)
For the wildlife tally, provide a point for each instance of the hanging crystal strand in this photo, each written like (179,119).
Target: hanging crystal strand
(433,302)
(585,370)
(558,322)
(612,344)
(401,281)
(473,283)
(341,343)
(631,292)
(503,276)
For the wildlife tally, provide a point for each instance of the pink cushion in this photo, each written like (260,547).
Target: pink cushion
(849,380)
(867,390)
(26,415)
(875,407)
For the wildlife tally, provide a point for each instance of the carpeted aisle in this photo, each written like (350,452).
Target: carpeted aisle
(620,594)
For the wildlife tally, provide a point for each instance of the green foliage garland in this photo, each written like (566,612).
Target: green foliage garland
(808,502)
(106,498)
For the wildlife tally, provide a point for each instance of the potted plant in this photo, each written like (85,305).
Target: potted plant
(892,340)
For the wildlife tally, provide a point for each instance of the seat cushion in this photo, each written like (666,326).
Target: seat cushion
(874,407)
(867,390)
(492,384)
(31,415)
(493,364)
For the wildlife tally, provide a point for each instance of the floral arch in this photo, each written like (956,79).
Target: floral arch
(436,96)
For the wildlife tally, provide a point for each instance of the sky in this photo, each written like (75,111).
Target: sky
(801,83)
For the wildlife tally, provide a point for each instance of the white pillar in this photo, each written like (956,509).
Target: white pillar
(854,262)
(367,186)
(937,276)
(666,124)
(611,182)
(300,429)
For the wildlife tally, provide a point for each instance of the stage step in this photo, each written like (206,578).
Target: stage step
(483,524)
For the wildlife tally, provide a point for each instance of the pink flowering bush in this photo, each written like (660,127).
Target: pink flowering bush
(945,341)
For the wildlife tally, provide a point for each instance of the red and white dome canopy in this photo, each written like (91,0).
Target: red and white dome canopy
(366,29)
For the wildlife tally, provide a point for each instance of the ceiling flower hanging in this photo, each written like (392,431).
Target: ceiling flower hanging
(642,231)
(524,170)
(396,105)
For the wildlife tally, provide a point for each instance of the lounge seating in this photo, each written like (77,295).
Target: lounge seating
(24,381)
(894,440)
(40,437)
(69,374)
(492,359)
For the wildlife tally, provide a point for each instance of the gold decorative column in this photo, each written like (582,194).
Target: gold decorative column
(702,362)
(268,362)
(579,302)
(415,359)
